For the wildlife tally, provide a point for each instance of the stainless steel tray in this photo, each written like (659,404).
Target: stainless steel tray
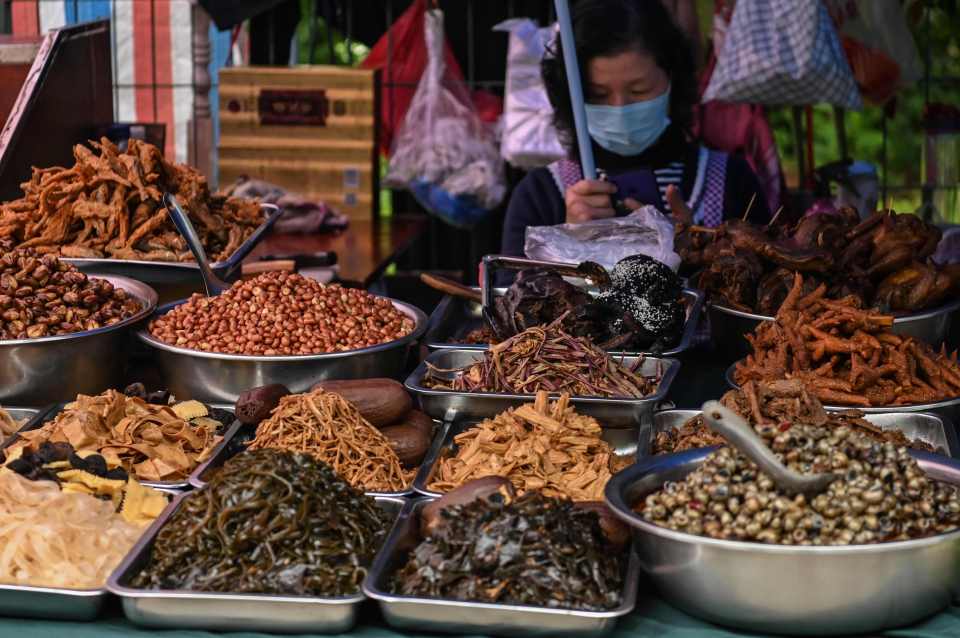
(184,484)
(481,405)
(243,434)
(454,317)
(172,273)
(178,609)
(220,378)
(53,603)
(948,410)
(462,617)
(929,428)
(624,442)
(728,326)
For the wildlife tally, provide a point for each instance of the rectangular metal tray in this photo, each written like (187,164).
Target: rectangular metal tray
(243,434)
(624,441)
(481,405)
(454,317)
(179,609)
(49,413)
(929,428)
(462,617)
(53,603)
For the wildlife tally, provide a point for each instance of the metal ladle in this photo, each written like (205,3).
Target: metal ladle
(213,284)
(742,436)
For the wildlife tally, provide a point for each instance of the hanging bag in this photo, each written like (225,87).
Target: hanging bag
(780,52)
(443,153)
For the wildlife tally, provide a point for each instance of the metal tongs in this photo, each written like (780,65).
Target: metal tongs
(742,436)
(213,284)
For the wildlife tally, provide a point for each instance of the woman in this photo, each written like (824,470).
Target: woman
(638,77)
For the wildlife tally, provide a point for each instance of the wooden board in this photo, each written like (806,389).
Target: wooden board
(309,129)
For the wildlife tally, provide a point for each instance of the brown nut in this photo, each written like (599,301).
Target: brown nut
(615,531)
(488,488)
(408,442)
(256,404)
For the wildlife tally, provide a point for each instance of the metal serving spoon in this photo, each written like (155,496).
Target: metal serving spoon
(741,435)
(213,284)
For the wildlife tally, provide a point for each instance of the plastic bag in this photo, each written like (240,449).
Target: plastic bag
(529,136)
(878,44)
(443,152)
(782,52)
(646,231)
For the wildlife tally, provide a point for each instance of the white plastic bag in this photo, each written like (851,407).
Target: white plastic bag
(782,52)
(529,136)
(646,231)
(443,152)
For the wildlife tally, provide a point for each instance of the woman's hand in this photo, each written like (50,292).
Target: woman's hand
(678,207)
(589,199)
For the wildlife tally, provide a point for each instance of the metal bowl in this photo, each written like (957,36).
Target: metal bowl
(949,409)
(219,378)
(729,327)
(36,372)
(789,589)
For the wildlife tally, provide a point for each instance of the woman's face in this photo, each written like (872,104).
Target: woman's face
(625,78)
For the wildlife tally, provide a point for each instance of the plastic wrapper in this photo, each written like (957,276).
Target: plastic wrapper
(529,136)
(444,154)
(646,231)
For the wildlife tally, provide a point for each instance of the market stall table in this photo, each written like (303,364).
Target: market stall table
(364,249)
(653,618)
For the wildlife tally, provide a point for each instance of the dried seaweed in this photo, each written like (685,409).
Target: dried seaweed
(533,551)
(269,522)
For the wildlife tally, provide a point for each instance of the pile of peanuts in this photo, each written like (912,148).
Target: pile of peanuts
(41,296)
(280,313)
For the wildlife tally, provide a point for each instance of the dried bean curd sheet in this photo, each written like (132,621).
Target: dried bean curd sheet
(150,442)
(330,428)
(269,522)
(8,424)
(54,538)
(538,446)
(547,358)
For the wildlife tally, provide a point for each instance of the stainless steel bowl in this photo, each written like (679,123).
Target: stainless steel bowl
(788,589)
(948,410)
(36,372)
(219,378)
(729,326)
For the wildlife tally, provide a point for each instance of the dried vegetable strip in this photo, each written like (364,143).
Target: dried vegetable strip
(150,442)
(269,522)
(546,358)
(331,429)
(847,355)
(109,204)
(538,446)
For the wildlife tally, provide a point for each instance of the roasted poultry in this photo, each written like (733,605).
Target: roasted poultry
(883,261)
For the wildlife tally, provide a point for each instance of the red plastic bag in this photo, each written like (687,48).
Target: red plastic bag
(399,80)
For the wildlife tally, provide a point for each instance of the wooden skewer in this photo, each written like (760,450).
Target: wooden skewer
(775,216)
(451,287)
(749,207)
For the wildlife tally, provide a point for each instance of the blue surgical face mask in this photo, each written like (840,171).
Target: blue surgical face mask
(630,129)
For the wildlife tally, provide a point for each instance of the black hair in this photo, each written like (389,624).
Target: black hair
(604,28)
